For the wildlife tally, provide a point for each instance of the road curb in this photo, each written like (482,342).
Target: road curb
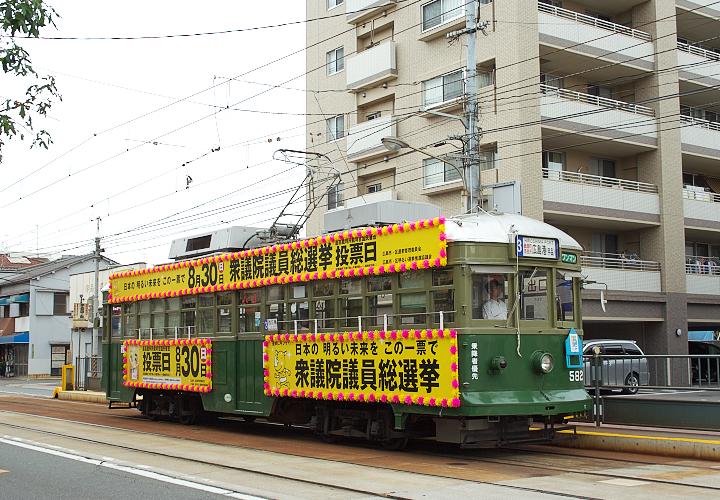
(85,396)
(680,447)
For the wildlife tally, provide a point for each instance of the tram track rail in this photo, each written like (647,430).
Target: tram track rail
(302,434)
(266,473)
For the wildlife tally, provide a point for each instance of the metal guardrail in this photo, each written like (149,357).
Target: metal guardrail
(86,369)
(170,332)
(701,196)
(699,122)
(699,51)
(593,21)
(368,322)
(702,265)
(598,180)
(631,374)
(617,261)
(604,102)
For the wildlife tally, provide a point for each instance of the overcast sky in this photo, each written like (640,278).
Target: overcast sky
(104,161)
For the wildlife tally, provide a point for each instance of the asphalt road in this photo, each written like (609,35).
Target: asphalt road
(26,474)
(29,387)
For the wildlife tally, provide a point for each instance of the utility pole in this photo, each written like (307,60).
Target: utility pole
(96,301)
(471,109)
(471,145)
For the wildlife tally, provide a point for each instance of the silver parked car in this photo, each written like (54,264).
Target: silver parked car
(628,369)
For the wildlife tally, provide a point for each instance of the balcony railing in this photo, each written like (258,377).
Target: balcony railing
(603,102)
(359,10)
(689,120)
(699,51)
(702,265)
(600,181)
(371,67)
(628,262)
(689,194)
(594,21)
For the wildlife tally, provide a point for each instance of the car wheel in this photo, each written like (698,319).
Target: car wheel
(633,381)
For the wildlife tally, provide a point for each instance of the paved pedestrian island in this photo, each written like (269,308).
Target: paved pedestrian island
(650,440)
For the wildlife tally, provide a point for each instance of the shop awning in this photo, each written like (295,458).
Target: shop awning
(22,298)
(18,338)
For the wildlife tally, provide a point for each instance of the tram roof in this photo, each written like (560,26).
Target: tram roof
(497,228)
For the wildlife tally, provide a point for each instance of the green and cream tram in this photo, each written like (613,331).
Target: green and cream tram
(463,330)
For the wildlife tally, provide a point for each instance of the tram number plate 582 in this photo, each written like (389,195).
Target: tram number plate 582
(577,376)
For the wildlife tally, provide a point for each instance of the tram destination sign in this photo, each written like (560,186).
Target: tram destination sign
(537,248)
(179,365)
(402,367)
(357,252)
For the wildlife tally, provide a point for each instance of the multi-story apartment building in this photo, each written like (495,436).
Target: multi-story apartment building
(605,115)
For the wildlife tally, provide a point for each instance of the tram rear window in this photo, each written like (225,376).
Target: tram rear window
(489,296)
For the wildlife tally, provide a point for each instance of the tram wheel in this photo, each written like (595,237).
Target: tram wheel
(394,444)
(189,411)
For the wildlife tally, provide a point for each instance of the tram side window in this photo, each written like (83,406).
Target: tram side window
(206,313)
(187,315)
(144,318)
(443,300)
(275,310)
(299,310)
(413,307)
(564,298)
(158,316)
(173,315)
(115,330)
(351,301)
(533,294)
(324,304)
(490,296)
(249,311)
(378,306)
(129,320)
(224,312)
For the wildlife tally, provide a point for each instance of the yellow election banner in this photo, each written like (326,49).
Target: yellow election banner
(401,367)
(178,365)
(358,252)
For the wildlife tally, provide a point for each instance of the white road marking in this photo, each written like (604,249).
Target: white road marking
(624,482)
(124,468)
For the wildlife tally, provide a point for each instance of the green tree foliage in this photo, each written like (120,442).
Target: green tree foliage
(24,19)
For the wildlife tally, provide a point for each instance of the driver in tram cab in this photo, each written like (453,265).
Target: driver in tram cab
(495,307)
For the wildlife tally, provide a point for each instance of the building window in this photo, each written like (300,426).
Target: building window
(374,188)
(331,4)
(335,127)
(485,77)
(334,196)
(60,301)
(486,158)
(600,91)
(443,88)
(335,61)
(440,12)
(438,172)
(554,163)
(555,81)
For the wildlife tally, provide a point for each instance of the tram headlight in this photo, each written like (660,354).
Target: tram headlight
(543,362)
